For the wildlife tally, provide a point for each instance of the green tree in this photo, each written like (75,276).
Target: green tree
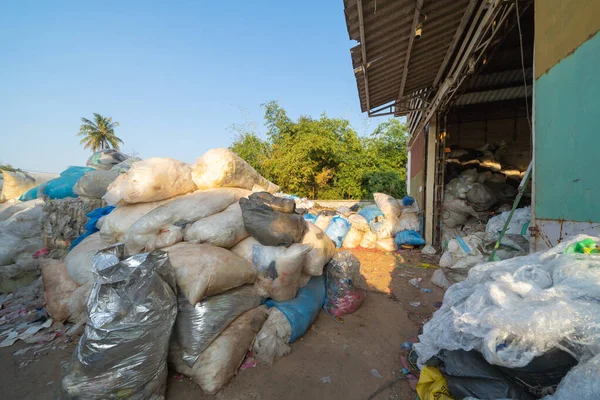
(325,158)
(99,134)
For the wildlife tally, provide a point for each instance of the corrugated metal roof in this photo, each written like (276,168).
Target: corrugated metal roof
(388,27)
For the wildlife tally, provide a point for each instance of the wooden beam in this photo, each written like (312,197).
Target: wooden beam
(363,49)
(411,39)
(457,35)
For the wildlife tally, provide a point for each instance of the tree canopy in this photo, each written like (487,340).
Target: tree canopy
(99,134)
(325,158)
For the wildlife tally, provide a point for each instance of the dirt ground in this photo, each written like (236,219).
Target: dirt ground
(349,359)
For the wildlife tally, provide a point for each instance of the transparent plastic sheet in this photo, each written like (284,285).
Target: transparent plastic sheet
(224,168)
(323,249)
(220,361)
(149,180)
(272,341)
(223,229)
(131,309)
(203,270)
(165,225)
(346,287)
(517,309)
(197,326)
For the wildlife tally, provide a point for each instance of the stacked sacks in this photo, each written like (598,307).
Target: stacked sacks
(20,238)
(16,184)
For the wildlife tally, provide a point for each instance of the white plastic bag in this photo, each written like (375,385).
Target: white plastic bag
(95,183)
(117,223)
(353,238)
(386,244)
(323,249)
(279,268)
(223,168)
(439,279)
(391,209)
(223,229)
(79,260)
(409,220)
(369,240)
(203,270)
(519,223)
(165,225)
(149,180)
(272,341)
(323,221)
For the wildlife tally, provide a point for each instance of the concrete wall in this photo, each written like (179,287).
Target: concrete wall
(566,120)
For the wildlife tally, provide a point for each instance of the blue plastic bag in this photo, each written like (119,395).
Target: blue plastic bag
(408,201)
(90,226)
(409,237)
(370,212)
(312,218)
(304,308)
(337,230)
(62,186)
(31,194)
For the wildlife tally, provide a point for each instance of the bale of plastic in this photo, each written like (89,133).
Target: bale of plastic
(272,341)
(346,287)
(93,224)
(323,249)
(338,229)
(197,326)
(62,187)
(79,260)
(64,221)
(150,180)
(223,168)
(17,183)
(515,310)
(281,204)
(132,309)
(166,224)
(95,183)
(323,221)
(65,300)
(223,229)
(279,269)
(391,209)
(369,240)
(270,227)
(481,197)
(220,361)
(105,159)
(118,222)
(203,270)
(409,237)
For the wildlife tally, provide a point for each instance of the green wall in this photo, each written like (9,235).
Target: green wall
(567,137)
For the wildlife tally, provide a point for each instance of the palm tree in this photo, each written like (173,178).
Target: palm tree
(99,134)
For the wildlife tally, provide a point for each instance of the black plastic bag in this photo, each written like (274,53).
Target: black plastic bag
(280,204)
(469,375)
(269,227)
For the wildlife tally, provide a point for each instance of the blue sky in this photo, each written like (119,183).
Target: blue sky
(176,75)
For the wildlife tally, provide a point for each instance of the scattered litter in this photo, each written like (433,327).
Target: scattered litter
(415,281)
(425,290)
(326,379)
(437,304)
(406,345)
(415,304)
(428,250)
(376,373)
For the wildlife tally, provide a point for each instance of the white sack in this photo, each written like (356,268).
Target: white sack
(117,223)
(149,180)
(369,240)
(391,209)
(323,221)
(323,249)
(272,340)
(165,225)
(223,229)
(79,260)
(223,168)
(95,183)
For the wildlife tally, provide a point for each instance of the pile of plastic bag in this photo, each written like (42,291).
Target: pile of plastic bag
(529,318)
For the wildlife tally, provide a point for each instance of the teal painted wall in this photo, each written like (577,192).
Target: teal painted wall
(567,137)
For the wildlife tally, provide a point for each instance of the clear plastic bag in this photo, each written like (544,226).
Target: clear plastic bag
(346,287)
(132,308)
